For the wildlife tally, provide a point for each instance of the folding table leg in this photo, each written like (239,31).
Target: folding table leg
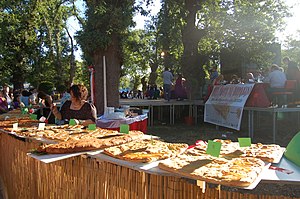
(274,126)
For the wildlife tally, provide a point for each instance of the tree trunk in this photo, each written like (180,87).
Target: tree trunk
(72,60)
(153,74)
(18,78)
(58,66)
(113,67)
(192,60)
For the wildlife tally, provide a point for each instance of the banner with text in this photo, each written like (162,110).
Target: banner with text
(226,103)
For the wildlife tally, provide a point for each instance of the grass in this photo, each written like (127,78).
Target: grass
(287,126)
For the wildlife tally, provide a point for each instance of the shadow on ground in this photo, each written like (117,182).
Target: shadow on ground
(287,126)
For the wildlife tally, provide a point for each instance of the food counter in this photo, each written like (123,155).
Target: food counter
(99,176)
(83,177)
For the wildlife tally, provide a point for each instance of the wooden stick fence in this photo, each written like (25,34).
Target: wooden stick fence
(82,177)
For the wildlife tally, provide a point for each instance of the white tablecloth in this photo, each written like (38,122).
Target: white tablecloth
(102,122)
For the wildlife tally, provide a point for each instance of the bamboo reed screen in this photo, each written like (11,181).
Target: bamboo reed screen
(87,178)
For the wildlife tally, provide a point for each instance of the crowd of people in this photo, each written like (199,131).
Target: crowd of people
(73,104)
(172,89)
(15,99)
(275,76)
(175,88)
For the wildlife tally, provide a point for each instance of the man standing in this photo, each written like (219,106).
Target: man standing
(293,72)
(168,78)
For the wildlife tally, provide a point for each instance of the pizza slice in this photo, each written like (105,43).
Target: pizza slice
(240,172)
(72,146)
(266,152)
(146,150)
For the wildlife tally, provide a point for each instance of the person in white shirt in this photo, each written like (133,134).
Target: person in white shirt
(276,79)
(168,82)
(33,96)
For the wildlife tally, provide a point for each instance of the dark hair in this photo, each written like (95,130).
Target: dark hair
(46,97)
(42,95)
(26,93)
(16,95)
(79,91)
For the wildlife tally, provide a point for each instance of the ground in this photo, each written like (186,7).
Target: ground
(287,126)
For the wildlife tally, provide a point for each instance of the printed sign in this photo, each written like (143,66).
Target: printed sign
(72,122)
(15,126)
(33,116)
(41,126)
(226,104)
(213,148)
(124,128)
(244,142)
(92,127)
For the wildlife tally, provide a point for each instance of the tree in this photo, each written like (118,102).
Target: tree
(208,26)
(17,37)
(169,37)
(249,31)
(138,52)
(292,48)
(101,35)
(34,44)
(193,60)
(55,36)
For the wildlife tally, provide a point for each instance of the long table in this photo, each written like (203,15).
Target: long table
(195,104)
(172,104)
(135,123)
(274,112)
(100,176)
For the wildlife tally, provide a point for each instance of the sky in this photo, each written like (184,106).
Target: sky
(293,23)
(139,19)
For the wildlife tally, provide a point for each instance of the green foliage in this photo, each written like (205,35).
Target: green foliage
(138,55)
(82,75)
(292,48)
(169,35)
(46,87)
(33,41)
(106,20)
(61,88)
(34,46)
(247,27)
